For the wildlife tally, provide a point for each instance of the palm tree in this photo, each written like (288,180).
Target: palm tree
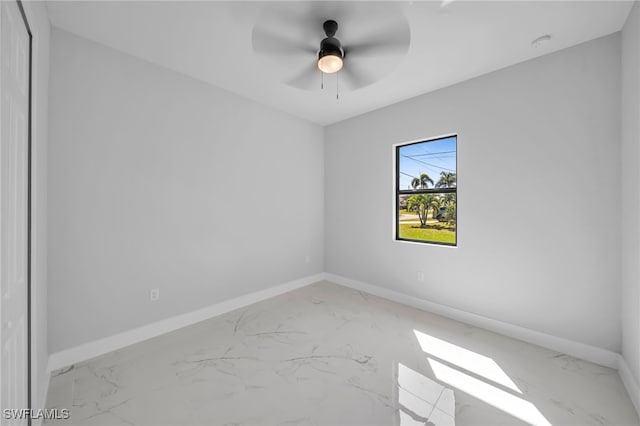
(421,204)
(449,215)
(422,182)
(449,199)
(447,180)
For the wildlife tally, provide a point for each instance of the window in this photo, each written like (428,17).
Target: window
(426,191)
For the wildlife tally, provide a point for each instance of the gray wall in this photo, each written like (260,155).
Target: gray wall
(38,20)
(539,195)
(631,190)
(159,180)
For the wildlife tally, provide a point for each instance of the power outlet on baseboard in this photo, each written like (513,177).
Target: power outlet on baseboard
(154,294)
(420,276)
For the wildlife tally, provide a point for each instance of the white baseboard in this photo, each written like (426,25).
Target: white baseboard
(108,344)
(630,382)
(579,350)
(99,347)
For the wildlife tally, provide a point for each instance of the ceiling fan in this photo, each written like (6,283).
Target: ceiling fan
(370,43)
(331,54)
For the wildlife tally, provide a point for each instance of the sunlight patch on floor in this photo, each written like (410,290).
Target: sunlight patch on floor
(482,367)
(466,359)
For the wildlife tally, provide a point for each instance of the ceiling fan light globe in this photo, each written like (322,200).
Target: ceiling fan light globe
(330,64)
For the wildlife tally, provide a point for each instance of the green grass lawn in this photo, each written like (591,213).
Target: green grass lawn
(435,231)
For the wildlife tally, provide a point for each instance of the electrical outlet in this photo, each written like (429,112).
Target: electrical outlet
(307,259)
(420,276)
(154,294)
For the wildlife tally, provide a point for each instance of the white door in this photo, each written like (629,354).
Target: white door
(14,122)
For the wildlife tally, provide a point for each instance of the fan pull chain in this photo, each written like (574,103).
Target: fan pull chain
(337,85)
(321,80)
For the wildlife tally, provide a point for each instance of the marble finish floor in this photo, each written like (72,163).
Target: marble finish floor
(330,355)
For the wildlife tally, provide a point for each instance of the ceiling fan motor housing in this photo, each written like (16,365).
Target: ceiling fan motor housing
(330,46)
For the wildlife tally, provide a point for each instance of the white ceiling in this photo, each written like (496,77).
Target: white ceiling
(212,41)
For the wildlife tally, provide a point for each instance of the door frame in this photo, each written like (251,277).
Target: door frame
(29,202)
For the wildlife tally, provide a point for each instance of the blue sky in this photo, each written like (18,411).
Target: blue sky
(429,157)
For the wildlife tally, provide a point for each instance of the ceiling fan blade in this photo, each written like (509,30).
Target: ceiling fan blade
(307,78)
(374,49)
(271,43)
(392,41)
(354,77)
